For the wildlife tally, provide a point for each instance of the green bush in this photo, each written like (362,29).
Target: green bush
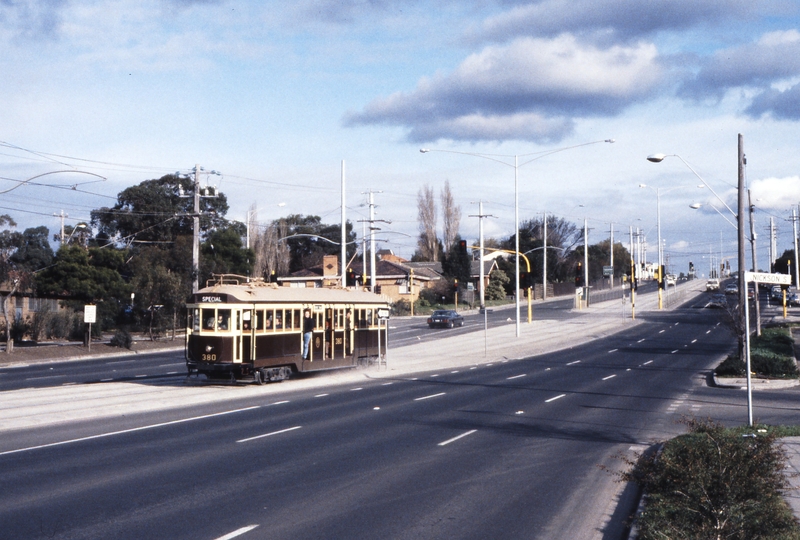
(771,355)
(122,338)
(714,483)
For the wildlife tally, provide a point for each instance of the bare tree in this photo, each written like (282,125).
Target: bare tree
(428,243)
(272,254)
(451,216)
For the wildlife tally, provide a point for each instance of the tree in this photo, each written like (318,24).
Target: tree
(428,243)
(306,251)
(457,264)
(80,276)
(34,251)
(451,216)
(10,272)
(223,253)
(272,256)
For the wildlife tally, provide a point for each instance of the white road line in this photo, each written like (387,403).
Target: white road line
(172,372)
(173,364)
(708,331)
(434,375)
(139,376)
(106,380)
(609,377)
(676,350)
(269,434)
(694,341)
(321,395)
(575,362)
(45,377)
(429,397)
(237,532)
(640,340)
(448,441)
(456,371)
(387,384)
(131,430)
(278,403)
(356,389)
(554,398)
(613,350)
(515,377)
(648,362)
(662,331)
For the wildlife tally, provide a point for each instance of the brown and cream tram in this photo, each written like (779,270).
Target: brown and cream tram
(239,328)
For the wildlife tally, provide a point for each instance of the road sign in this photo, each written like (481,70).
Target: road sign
(89,313)
(608,271)
(761,277)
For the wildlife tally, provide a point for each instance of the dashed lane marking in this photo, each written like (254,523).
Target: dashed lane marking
(454,439)
(609,377)
(269,434)
(429,397)
(516,377)
(554,398)
(237,532)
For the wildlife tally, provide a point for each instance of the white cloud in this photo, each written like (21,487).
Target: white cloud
(549,80)
(775,194)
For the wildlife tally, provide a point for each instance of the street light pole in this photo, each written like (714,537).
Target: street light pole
(516,165)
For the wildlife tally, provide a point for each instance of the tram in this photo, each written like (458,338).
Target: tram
(240,328)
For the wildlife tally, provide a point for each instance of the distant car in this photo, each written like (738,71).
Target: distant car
(731,288)
(671,279)
(712,285)
(776,293)
(751,293)
(445,318)
(793,299)
(717,301)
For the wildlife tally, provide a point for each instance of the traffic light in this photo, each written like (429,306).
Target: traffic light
(351,278)
(691,267)
(524,280)
(455,285)
(462,247)
(661,274)
(579,275)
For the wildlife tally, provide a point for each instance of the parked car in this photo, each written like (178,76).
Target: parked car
(793,299)
(731,288)
(712,285)
(446,318)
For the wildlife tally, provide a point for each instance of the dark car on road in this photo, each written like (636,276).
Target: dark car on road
(445,318)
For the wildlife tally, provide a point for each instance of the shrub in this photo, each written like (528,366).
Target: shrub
(714,483)
(122,338)
(771,355)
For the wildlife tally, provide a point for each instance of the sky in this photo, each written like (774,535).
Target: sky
(280,97)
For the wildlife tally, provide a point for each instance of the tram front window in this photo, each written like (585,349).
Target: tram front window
(223,319)
(208,319)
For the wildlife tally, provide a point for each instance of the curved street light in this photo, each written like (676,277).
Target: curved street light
(23,182)
(500,158)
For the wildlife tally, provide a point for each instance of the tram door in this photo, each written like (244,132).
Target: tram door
(247,336)
(335,332)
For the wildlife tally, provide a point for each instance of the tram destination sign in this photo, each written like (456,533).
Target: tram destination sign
(762,277)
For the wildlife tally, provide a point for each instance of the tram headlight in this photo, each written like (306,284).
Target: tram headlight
(209,348)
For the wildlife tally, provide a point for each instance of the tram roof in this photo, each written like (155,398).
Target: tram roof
(269,292)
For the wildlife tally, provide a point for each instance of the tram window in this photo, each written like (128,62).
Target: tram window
(278,319)
(296,317)
(208,319)
(268,321)
(290,319)
(369,318)
(223,319)
(259,320)
(247,315)
(348,321)
(194,323)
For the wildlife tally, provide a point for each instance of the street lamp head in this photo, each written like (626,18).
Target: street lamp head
(612,141)
(656,158)
(642,185)
(424,150)
(695,206)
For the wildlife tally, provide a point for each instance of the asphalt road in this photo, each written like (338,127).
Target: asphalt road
(498,450)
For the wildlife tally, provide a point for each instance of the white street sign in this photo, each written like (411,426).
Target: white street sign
(89,313)
(761,277)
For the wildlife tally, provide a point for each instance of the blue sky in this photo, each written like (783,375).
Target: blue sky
(275,95)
